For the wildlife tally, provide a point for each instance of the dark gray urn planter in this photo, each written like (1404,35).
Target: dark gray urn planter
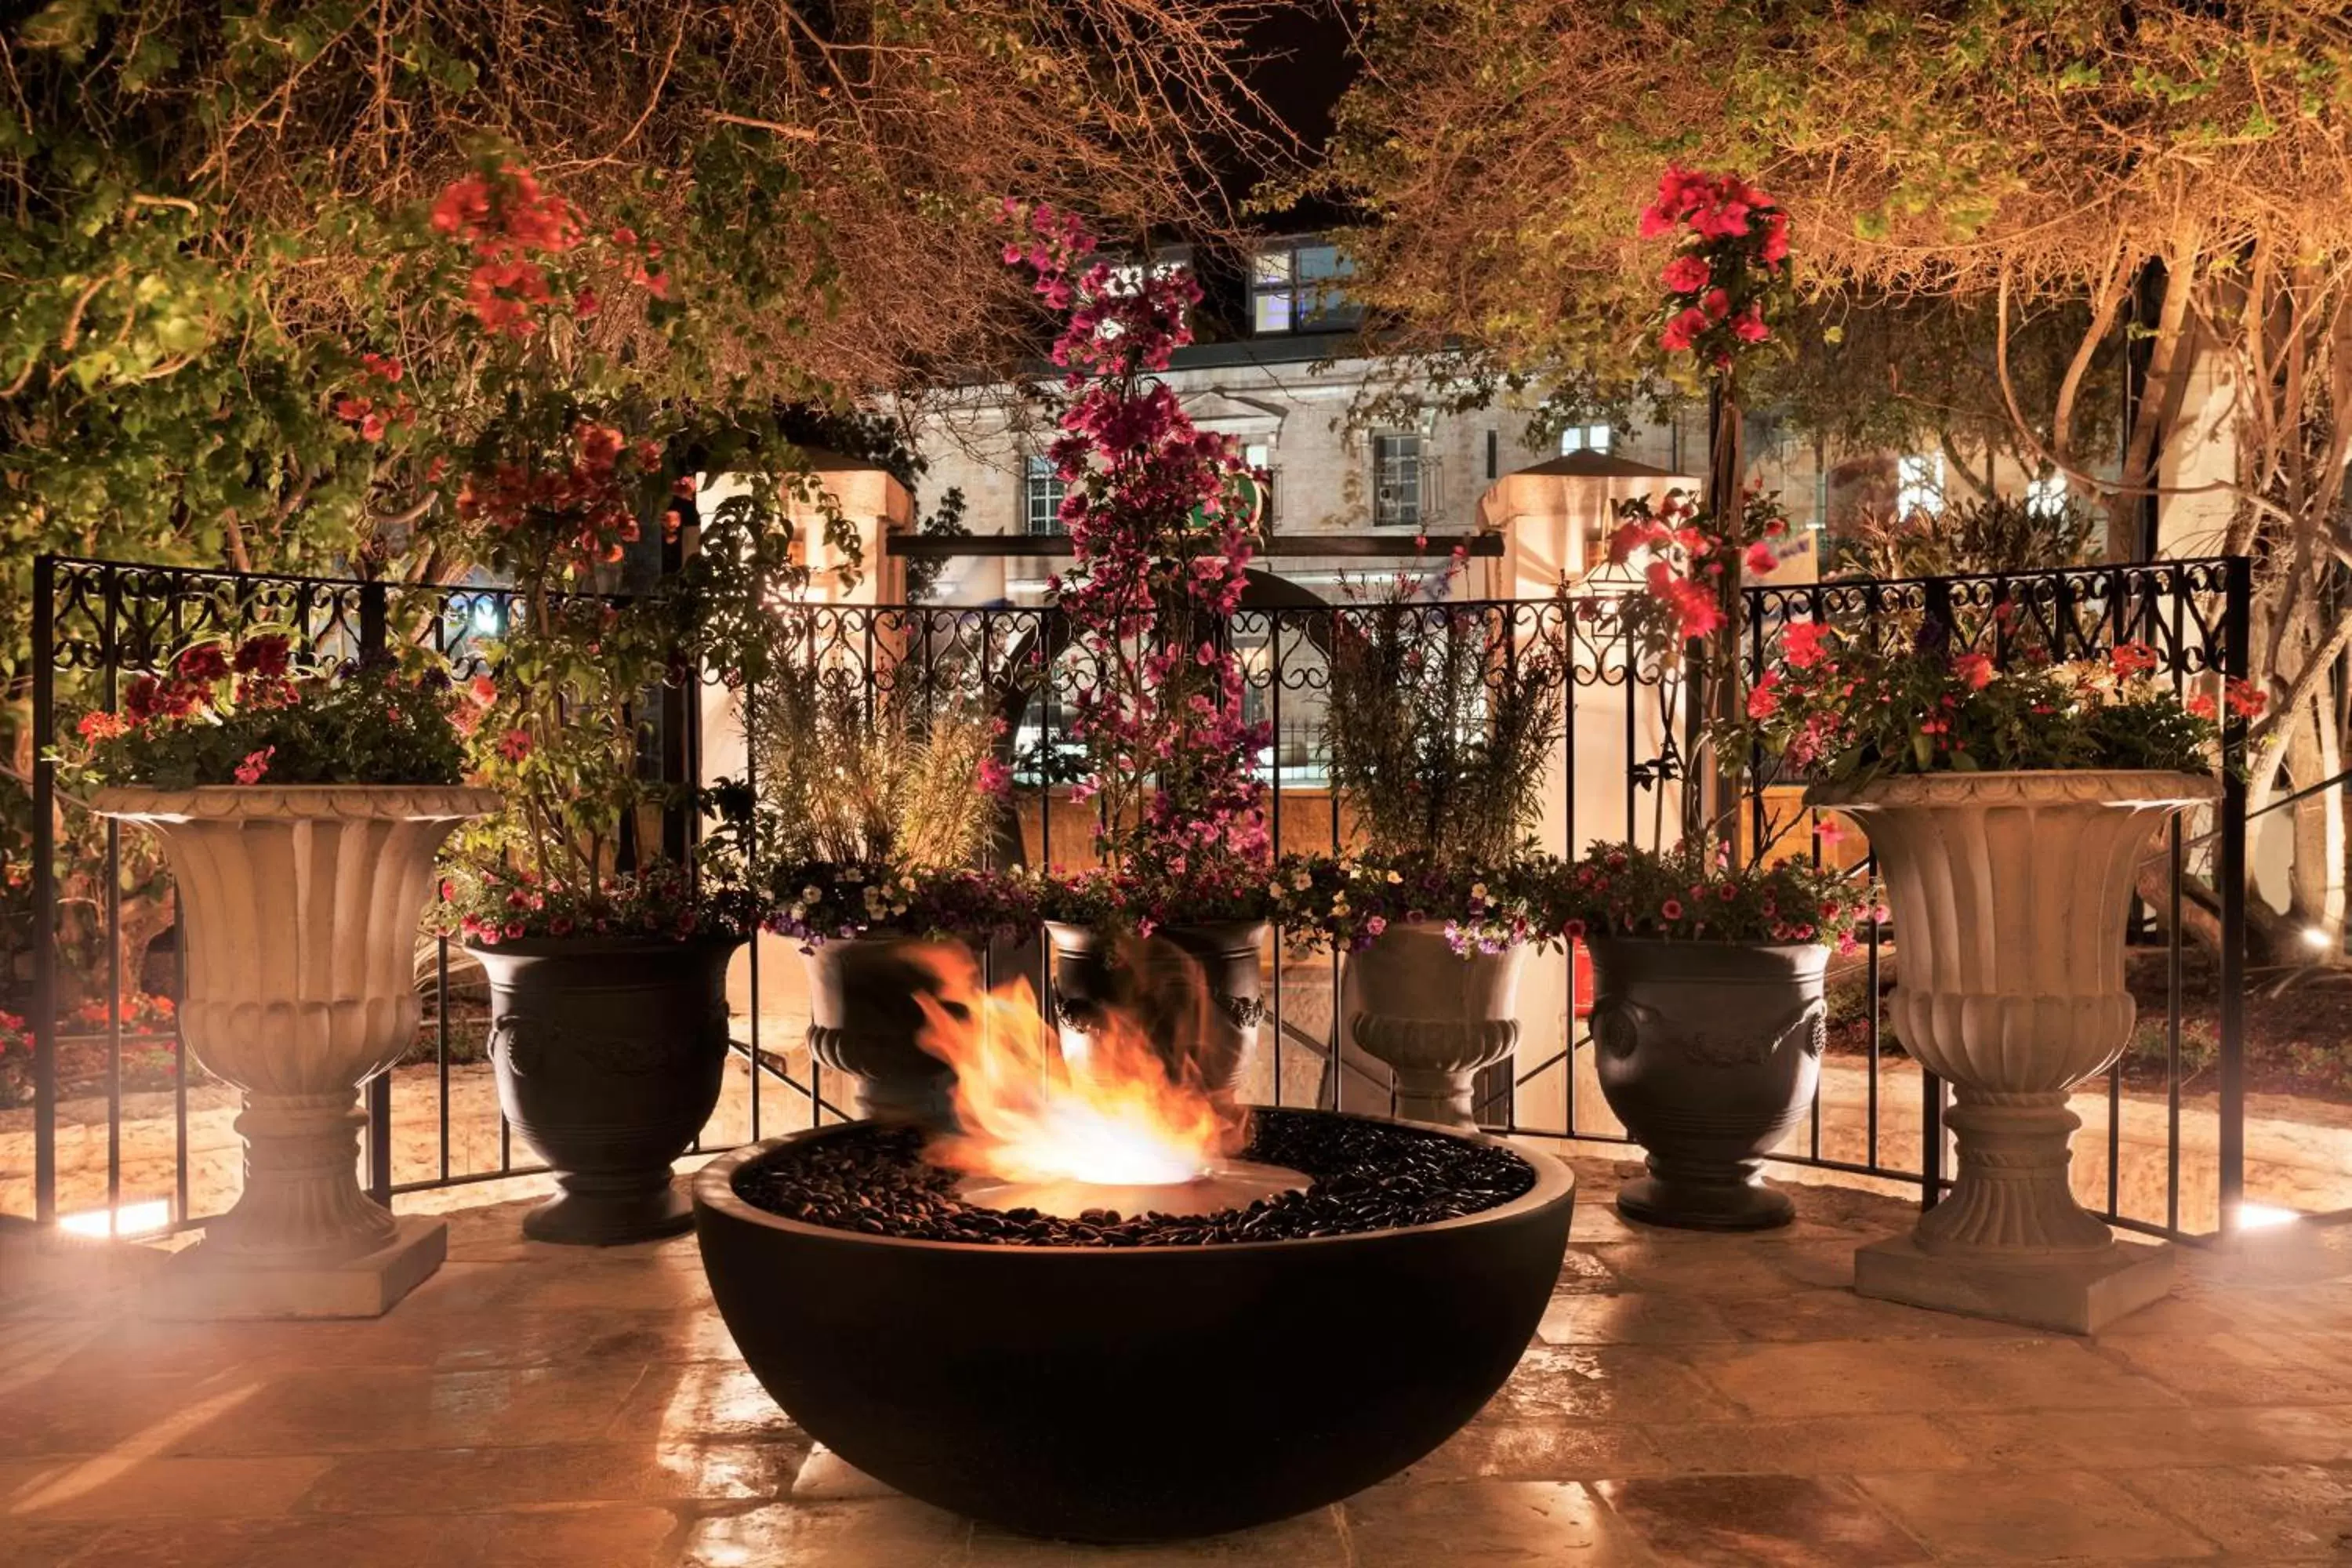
(609,1053)
(1131,1393)
(866,1020)
(1709,1052)
(1090,974)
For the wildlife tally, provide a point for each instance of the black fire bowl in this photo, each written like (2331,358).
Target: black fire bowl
(1138,1393)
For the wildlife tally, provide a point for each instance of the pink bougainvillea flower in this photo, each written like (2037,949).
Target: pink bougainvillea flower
(256,765)
(1761,559)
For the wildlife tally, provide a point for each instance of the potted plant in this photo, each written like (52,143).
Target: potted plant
(1440,732)
(607,957)
(1161,518)
(1709,1019)
(1175,945)
(875,805)
(605,903)
(2011,810)
(300,810)
(1434,950)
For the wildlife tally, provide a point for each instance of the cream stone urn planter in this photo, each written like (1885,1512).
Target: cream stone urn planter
(1433,1017)
(2010,892)
(299,907)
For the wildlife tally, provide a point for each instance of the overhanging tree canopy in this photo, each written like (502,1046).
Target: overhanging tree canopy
(2010,157)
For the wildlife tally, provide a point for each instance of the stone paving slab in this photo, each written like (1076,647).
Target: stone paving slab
(1696,1400)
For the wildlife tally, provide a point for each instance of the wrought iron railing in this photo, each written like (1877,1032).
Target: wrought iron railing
(1618,772)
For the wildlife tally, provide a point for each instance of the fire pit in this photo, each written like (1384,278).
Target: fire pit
(1107,1378)
(1109,1306)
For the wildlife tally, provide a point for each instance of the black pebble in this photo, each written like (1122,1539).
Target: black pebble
(1366,1176)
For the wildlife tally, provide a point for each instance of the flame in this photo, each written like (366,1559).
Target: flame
(1033,1107)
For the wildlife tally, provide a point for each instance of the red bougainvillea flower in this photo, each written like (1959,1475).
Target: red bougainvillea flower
(1761,559)
(515,745)
(2244,701)
(2133,658)
(1975,670)
(1800,644)
(265,654)
(204,661)
(101,725)
(1683,330)
(1686,274)
(1763,697)
(1733,254)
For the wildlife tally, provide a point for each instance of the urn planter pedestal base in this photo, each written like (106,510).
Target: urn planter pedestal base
(2074,1295)
(202,1283)
(1699,1203)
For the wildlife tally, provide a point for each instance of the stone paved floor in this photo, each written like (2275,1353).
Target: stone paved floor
(1690,1400)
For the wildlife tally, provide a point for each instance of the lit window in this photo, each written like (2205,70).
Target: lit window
(1258,456)
(1920,485)
(1397,481)
(1125,278)
(1041,496)
(2046,497)
(1584,439)
(1297,288)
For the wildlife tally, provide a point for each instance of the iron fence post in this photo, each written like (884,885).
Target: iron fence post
(375,635)
(2230,873)
(45,892)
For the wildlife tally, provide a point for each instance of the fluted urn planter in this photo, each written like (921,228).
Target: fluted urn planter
(1433,1017)
(1709,1052)
(2010,893)
(865,1019)
(1089,974)
(300,908)
(610,1054)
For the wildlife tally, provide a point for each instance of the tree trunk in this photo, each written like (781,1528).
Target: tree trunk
(2316,896)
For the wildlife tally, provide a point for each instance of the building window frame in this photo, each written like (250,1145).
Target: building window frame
(1919,484)
(1401,460)
(1299,286)
(1586,438)
(1042,490)
(1259,454)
